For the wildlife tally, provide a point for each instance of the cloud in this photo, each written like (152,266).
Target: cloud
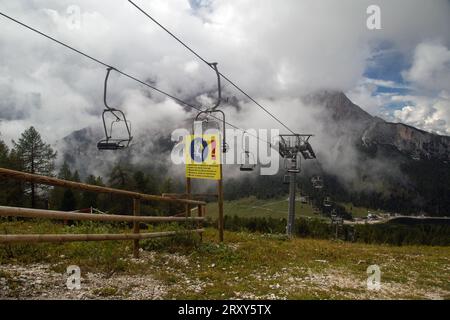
(366,96)
(430,69)
(277,52)
(426,113)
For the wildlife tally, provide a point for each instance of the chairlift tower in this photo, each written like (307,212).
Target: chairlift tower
(291,146)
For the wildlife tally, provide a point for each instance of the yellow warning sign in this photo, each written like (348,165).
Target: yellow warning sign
(202,156)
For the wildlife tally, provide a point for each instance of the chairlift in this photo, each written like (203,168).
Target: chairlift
(317,182)
(111,141)
(292,164)
(209,120)
(304,199)
(248,162)
(306,150)
(292,144)
(327,202)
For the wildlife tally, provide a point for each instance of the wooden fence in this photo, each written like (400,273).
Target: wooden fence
(136,218)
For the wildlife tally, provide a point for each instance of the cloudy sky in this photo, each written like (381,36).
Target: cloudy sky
(276,50)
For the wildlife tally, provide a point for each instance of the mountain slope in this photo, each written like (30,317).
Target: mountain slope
(373,131)
(364,160)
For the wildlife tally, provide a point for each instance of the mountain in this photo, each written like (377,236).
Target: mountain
(373,131)
(362,158)
(379,164)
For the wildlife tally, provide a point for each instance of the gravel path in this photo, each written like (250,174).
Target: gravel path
(38,281)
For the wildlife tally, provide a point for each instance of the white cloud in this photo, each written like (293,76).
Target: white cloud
(426,113)
(429,74)
(365,95)
(276,52)
(431,67)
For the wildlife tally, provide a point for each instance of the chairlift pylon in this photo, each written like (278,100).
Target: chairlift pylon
(111,142)
(292,144)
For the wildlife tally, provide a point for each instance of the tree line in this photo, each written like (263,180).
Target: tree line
(33,155)
(428,189)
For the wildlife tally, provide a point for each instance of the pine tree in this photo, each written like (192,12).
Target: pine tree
(4,155)
(68,202)
(66,199)
(4,163)
(91,199)
(35,157)
(119,178)
(11,191)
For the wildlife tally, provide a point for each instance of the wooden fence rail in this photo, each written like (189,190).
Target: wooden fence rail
(62,215)
(10,238)
(38,179)
(135,218)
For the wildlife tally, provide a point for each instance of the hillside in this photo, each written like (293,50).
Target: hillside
(246,266)
(273,208)
(363,159)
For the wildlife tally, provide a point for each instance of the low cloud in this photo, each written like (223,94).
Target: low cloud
(278,52)
(430,68)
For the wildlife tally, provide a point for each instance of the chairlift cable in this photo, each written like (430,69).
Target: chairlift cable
(128,75)
(211,66)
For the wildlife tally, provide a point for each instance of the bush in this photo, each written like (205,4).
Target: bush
(387,233)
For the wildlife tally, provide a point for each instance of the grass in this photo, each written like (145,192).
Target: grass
(244,266)
(274,208)
(359,211)
(252,207)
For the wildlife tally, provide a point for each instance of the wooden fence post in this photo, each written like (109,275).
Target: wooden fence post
(200,209)
(188,196)
(136,212)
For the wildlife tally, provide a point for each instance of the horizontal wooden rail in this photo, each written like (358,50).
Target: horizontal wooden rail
(28,177)
(61,215)
(88,237)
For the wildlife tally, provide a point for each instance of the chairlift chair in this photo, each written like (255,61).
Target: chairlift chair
(317,182)
(292,164)
(248,163)
(208,115)
(327,202)
(112,142)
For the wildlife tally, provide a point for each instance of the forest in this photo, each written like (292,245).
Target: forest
(31,154)
(426,192)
